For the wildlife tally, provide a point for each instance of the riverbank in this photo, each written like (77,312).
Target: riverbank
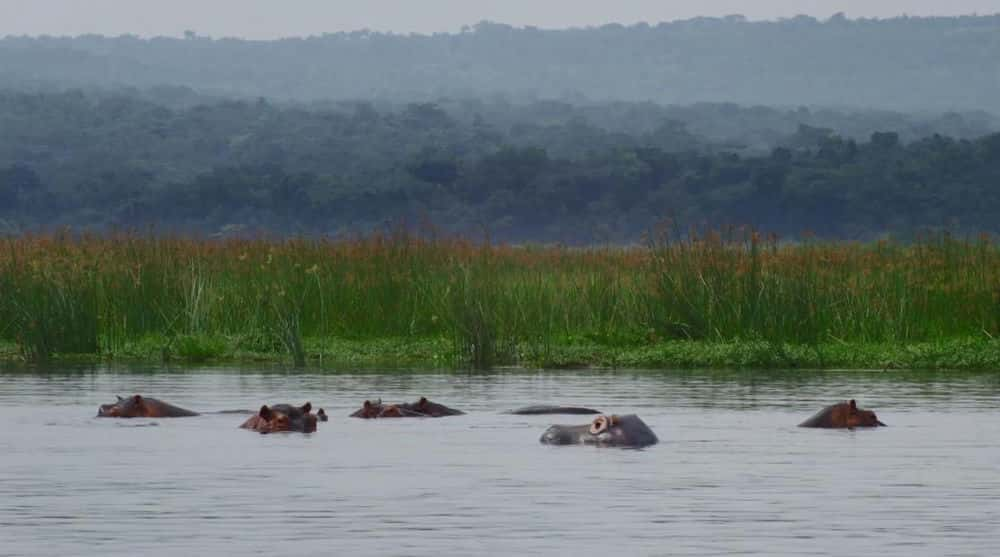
(720,300)
(437,353)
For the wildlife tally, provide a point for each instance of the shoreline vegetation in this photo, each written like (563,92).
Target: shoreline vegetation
(720,299)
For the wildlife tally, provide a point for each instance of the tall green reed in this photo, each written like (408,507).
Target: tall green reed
(62,294)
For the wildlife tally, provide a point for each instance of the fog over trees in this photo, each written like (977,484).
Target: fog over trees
(941,63)
(848,128)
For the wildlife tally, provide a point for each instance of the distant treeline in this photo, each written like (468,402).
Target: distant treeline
(543,172)
(940,63)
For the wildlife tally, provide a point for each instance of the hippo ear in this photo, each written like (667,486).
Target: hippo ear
(599,425)
(854,405)
(367,404)
(307,407)
(265,412)
(119,398)
(422,403)
(137,399)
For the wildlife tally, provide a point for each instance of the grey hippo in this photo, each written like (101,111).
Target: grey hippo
(614,431)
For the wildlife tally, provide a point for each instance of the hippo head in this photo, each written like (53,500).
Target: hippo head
(422,408)
(131,407)
(857,417)
(618,431)
(369,410)
(843,415)
(282,417)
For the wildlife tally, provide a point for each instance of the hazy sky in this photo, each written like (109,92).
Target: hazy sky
(277,18)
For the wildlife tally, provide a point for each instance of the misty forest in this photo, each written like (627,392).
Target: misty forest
(574,136)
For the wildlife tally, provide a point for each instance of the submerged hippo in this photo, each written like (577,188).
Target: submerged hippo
(422,408)
(295,412)
(137,406)
(617,431)
(843,415)
(283,417)
(540,409)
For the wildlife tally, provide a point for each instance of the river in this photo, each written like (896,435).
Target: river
(732,473)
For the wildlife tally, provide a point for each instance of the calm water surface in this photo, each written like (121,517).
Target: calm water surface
(732,474)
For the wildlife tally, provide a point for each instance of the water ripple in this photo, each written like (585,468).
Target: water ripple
(732,475)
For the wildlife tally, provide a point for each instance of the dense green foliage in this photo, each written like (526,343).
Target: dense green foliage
(543,171)
(756,300)
(903,63)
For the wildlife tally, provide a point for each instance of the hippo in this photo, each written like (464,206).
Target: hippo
(137,406)
(843,415)
(295,412)
(616,431)
(283,417)
(540,409)
(422,408)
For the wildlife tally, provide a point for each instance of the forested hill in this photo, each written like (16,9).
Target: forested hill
(539,172)
(944,63)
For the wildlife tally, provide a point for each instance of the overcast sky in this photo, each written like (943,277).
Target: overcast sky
(280,18)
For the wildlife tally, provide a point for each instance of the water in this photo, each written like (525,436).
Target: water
(732,474)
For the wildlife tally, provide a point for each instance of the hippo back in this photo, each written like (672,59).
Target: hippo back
(541,409)
(137,406)
(631,431)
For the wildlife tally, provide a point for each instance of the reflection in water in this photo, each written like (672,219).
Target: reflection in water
(732,472)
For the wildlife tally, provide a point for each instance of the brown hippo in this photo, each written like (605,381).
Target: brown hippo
(422,408)
(137,406)
(540,409)
(295,412)
(283,417)
(843,415)
(616,431)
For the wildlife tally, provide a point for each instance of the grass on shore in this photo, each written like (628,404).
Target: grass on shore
(402,353)
(719,300)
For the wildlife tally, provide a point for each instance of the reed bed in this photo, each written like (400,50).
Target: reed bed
(66,294)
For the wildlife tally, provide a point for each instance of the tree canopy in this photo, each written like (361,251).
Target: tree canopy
(544,171)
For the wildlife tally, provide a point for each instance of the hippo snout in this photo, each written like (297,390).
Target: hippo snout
(556,435)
